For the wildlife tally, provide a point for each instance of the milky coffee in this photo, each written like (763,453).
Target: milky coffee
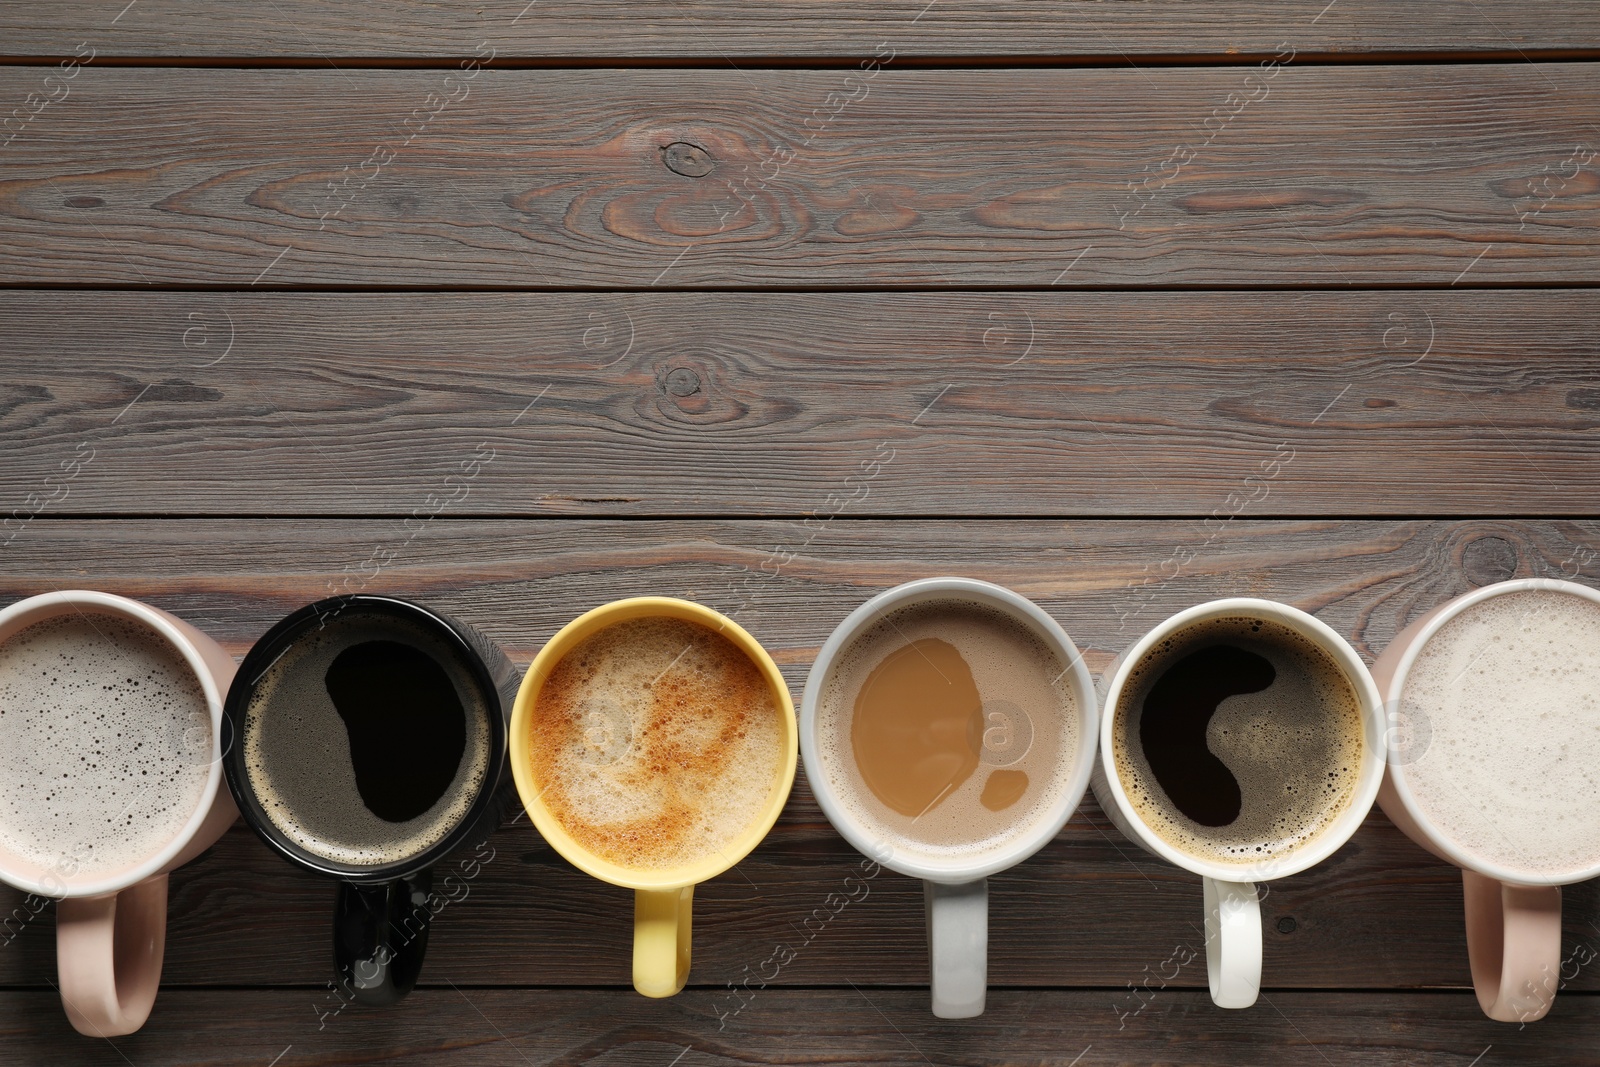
(368,740)
(1238,740)
(948,728)
(1508,695)
(105,744)
(656,742)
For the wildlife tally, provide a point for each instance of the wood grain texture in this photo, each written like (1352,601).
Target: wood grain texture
(1089,910)
(790,583)
(906,403)
(1417,175)
(886,1028)
(515,457)
(713,30)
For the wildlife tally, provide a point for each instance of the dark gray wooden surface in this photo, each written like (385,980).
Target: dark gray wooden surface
(1416,403)
(890,1027)
(709,31)
(1031,301)
(1331,176)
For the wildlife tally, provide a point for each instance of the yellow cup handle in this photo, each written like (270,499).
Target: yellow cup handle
(661,919)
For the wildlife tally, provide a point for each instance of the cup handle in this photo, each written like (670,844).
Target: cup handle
(1514,945)
(380,934)
(958,946)
(108,956)
(1233,942)
(661,942)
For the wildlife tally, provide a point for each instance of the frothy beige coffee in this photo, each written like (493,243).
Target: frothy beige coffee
(1508,695)
(105,744)
(948,728)
(303,752)
(1238,740)
(656,743)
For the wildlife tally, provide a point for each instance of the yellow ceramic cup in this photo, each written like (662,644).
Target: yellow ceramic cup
(662,898)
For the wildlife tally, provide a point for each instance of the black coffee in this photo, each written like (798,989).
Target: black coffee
(405,723)
(368,740)
(1172,729)
(1238,739)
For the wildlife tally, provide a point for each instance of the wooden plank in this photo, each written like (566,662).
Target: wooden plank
(1331,176)
(652,404)
(790,582)
(711,30)
(1088,910)
(887,1028)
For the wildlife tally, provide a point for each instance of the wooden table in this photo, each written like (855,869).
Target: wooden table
(774,306)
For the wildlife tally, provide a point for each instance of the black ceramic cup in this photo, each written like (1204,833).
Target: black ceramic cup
(366,740)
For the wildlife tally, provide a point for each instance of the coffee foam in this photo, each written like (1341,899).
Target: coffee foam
(656,743)
(297,748)
(1294,748)
(1012,669)
(1509,690)
(105,744)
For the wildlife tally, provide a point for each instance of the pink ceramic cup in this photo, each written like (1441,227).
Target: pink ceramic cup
(1513,916)
(111,929)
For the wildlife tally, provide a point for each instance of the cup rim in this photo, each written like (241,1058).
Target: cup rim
(269,648)
(1343,826)
(551,829)
(44,606)
(904,860)
(1395,690)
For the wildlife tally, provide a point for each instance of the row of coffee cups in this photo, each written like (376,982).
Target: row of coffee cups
(949,727)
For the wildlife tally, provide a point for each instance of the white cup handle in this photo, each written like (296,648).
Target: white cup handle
(1233,942)
(958,946)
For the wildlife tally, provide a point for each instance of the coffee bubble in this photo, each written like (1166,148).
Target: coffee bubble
(1407,732)
(656,742)
(1510,688)
(605,730)
(1238,740)
(368,740)
(105,744)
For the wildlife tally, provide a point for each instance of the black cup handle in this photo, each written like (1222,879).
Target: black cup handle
(380,933)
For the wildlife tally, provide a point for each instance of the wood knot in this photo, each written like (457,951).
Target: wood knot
(1287,925)
(84,201)
(681,381)
(689,160)
(706,387)
(688,389)
(1487,560)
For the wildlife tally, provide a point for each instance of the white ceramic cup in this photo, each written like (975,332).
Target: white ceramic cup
(1513,917)
(955,890)
(1232,905)
(111,929)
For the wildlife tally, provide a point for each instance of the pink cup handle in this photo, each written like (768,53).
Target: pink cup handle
(1514,943)
(108,955)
